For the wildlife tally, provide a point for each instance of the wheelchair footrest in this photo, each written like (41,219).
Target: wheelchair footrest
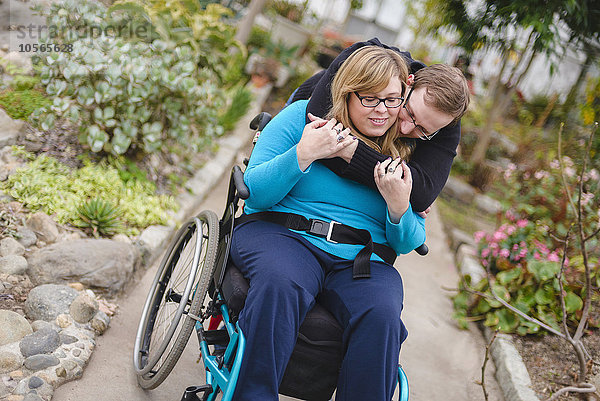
(216,337)
(191,393)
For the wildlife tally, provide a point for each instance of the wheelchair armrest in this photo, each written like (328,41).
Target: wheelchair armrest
(259,122)
(238,181)
(422,250)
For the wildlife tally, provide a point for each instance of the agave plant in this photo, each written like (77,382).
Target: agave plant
(100,216)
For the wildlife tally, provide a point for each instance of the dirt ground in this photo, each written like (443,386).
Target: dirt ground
(552,363)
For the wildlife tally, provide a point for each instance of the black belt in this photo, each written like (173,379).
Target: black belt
(333,232)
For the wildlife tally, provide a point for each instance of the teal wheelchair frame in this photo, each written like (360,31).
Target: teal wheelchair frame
(192,290)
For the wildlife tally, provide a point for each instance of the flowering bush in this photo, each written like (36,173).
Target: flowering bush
(524,255)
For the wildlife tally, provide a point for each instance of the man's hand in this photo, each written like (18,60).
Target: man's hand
(322,139)
(425,212)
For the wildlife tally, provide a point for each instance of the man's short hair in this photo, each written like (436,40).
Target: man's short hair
(446,89)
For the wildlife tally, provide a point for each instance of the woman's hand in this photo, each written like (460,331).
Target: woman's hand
(347,152)
(394,181)
(322,139)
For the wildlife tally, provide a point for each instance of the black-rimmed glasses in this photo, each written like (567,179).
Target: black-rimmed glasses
(425,136)
(372,101)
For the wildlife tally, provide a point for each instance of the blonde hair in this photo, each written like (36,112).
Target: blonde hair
(446,89)
(370,69)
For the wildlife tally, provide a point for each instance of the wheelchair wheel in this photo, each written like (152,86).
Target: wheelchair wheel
(175,298)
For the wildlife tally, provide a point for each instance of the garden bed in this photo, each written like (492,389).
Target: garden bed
(552,363)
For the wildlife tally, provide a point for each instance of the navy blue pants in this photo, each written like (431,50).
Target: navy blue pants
(286,272)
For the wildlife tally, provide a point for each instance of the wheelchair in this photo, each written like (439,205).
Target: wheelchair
(197,289)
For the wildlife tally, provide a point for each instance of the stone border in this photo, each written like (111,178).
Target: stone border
(511,372)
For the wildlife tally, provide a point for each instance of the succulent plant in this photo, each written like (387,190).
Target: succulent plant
(102,217)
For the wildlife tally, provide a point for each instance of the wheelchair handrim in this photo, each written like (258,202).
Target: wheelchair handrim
(142,328)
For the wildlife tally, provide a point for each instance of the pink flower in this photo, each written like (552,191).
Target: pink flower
(478,235)
(537,256)
(522,223)
(505,253)
(586,197)
(515,247)
(553,257)
(499,236)
(523,253)
(541,174)
(485,252)
(555,164)
(485,262)
(569,171)
(509,215)
(510,230)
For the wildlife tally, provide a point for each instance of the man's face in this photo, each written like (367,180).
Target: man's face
(415,114)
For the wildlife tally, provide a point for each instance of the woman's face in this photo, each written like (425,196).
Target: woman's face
(375,121)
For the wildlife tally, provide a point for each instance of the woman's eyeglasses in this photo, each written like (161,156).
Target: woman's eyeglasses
(372,101)
(424,135)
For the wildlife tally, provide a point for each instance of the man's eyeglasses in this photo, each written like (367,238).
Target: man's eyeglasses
(372,101)
(424,135)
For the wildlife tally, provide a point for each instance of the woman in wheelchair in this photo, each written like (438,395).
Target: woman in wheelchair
(309,232)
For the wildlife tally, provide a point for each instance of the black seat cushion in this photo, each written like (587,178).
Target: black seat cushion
(313,368)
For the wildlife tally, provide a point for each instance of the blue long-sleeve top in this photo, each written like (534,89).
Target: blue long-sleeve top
(277,183)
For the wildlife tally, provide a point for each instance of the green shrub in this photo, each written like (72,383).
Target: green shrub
(45,184)
(19,104)
(128,95)
(182,22)
(240,103)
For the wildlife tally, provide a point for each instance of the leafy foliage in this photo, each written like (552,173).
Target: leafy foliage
(240,102)
(100,216)
(136,95)
(186,23)
(20,103)
(38,183)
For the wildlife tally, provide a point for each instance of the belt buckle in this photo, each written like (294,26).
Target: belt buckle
(331,224)
(318,228)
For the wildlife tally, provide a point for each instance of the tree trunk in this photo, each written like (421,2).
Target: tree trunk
(500,104)
(245,26)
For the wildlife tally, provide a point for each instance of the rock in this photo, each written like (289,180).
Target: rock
(64,320)
(10,361)
(122,238)
(43,226)
(40,342)
(35,382)
(41,324)
(41,361)
(13,327)
(77,286)
(13,264)
(458,189)
(100,322)
(487,204)
(61,372)
(27,237)
(32,396)
(67,339)
(152,237)
(83,308)
(99,263)
(18,60)
(10,246)
(11,129)
(76,352)
(4,390)
(47,301)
